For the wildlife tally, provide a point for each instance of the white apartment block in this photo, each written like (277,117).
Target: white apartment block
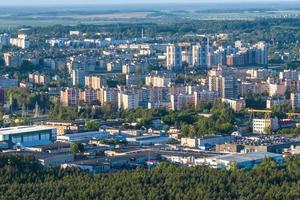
(260,125)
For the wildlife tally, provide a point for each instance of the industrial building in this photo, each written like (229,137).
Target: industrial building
(148,140)
(54,160)
(27,136)
(105,164)
(85,136)
(261,143)
(206,141)
(245,161)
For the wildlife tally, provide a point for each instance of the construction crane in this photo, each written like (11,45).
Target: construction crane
(267,113)
(291,115)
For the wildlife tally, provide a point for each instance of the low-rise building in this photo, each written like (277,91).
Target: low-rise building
(189,142)
(261,143)
(65,127)
(148,140)
(93,166)
(85,136)
(57,147)
(206,141)
(3,145)
(55,160)
(212,140)
(264,125)
(245,161)
(28,136)
(7,83)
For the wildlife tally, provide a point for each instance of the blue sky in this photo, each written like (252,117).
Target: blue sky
(85,2)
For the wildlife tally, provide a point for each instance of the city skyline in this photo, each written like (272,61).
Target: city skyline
(150,99)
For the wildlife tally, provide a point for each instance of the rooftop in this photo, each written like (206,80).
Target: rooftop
(263,140)
(52,146)
(248,156)
(22,129)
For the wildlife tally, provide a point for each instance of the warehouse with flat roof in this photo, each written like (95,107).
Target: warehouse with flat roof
(242,160)
(83,137)
(27,136)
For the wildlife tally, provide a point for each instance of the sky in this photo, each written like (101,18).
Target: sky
(86,2)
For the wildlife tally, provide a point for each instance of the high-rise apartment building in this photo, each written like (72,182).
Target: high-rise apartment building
(89,96)
(226,86)
(295,100)
(69,97)
(95,82)
(12,60)
(261,53)
(108,95)
(181,101)
(21,41)
(200,54)
(128,100)
(174,57)
(78,77)
(159,80)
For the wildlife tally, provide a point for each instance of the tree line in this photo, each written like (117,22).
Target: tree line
(23,178)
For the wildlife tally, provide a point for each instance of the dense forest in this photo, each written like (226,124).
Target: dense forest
(24,178)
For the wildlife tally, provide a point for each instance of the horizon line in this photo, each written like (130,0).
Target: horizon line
(151,3)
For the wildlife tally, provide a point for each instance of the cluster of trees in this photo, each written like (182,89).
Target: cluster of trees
(63,113)
(24,178)
(20,72)
(107,111)
(120,79)
(281,110)
(189,120)
(77,148)
(221,120)
(256,101)
(24,97)
(92,125)
(290,131)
